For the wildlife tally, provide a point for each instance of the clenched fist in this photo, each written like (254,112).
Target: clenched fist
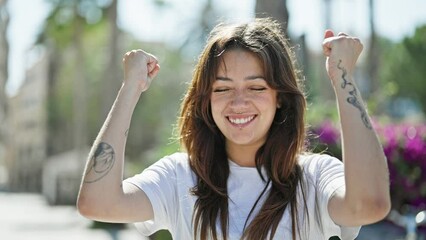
(342,52)
(140,68)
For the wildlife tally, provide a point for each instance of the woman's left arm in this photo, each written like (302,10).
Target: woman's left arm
(365,198)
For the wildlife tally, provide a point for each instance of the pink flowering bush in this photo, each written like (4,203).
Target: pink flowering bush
(405,148)
(325,138)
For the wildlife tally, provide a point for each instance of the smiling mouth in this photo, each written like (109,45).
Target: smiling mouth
(241,121)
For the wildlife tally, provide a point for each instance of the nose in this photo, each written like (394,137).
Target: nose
(239,101)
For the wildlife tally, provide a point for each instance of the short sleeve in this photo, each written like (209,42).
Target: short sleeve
(159,184)
(328,176)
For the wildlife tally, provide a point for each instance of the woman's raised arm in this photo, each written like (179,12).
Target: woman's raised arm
(366,196)
(102,195)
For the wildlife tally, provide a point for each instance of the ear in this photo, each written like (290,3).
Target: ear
(279,100)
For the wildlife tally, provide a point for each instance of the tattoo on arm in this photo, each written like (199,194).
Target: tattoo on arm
(353,99)
(100,163)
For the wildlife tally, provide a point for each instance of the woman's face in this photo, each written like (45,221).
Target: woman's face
(243,105)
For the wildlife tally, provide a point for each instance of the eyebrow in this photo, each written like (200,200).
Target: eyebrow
(251,77)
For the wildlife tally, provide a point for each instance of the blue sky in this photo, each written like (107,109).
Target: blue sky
(395,19)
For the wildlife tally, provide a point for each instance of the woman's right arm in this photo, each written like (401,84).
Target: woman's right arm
(102,195)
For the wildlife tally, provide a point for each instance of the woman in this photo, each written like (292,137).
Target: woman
(245,173)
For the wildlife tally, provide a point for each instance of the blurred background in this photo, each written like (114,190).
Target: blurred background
(60,70)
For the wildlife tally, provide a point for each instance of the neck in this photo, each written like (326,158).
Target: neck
(243,155)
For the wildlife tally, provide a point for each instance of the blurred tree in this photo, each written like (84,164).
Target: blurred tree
(4,50)
(79,86)
(276,9)
(98,67)
(198,29)
(65,34)
(111,73)
(373,53)
(5,141)
(404,67)
(4,54)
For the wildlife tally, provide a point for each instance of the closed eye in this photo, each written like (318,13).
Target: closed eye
(258,89)
(219,90)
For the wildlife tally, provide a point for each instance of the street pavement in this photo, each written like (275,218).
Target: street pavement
(26,216)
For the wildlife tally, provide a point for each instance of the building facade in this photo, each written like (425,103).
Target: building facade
(28,123)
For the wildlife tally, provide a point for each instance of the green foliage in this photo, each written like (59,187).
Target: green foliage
(106,225)
(321,109)
(59,33)
(403,69)
(154,117)
(162,235)
(59,27)
(61,97)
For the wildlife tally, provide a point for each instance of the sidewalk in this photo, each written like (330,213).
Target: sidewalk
(26,216)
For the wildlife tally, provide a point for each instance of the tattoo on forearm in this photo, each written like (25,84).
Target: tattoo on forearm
(100,163)
(353,99)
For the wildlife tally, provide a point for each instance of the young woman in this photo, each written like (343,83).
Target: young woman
(244,172)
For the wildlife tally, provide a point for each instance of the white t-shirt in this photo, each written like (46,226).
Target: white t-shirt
(168,181)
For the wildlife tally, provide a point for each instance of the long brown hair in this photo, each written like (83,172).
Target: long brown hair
(205,143)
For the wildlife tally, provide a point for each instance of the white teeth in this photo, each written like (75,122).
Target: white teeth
(241,120)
